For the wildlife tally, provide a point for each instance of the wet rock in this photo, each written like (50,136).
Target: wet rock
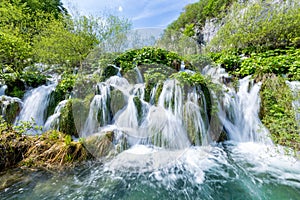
(117,101)
(10,108)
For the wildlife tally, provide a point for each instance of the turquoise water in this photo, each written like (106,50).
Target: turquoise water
(224,171)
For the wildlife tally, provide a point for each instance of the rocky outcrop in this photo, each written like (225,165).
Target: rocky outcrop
(207,32)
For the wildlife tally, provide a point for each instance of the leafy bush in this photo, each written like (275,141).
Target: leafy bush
(278,61)
(197,13)
(277,112)
(147,55)
(259,25)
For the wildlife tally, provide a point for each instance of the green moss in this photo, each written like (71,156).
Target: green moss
(12,112)
(159,89)
(117,101)
(139,108)
(277,112)
(66,122)
(80,110)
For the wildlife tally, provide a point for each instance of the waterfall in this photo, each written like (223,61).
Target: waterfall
(196,119)
(53,121)
(35,104)
(99,113)
(139,75)
(2,89)
(239,113)
(182,66)
(164,123)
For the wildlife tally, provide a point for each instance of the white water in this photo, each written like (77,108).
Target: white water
(2,89)
(239,113)
(99,114)
(161,163)
(35,104)
(139,75)
(53,121)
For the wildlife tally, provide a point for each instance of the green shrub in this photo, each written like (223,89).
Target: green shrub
(259,25)
(277,113)
(147,55)
(277,61)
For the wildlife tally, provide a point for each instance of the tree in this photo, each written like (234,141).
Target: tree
(65,43)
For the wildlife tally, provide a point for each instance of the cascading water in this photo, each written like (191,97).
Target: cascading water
(53,121)
(2,89)
(161,163)
(239,113)
(99,114)
(35,104)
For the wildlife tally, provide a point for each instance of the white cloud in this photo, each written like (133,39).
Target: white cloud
(120,8)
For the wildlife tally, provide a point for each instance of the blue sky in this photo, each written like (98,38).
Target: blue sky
(142,13)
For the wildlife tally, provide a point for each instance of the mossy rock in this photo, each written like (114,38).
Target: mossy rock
(139,107)
(109,71)
(194,135)
(10,108)
(100,145)
(55,97)
(154,76)
(80,110)
(117,101)
(131,76)
(66,122)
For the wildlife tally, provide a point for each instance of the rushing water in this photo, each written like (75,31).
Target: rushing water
(161,162)
(35,104)
(224,171)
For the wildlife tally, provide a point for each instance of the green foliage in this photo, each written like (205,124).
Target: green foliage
(4,126)
(191,79)
(27,126)
(278,61)
(198,13)
(277,112)
(67,45)
(54,135)
(147,55)
(68,139)
(197,62)
(259,25)
(61,92)
(189,30)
